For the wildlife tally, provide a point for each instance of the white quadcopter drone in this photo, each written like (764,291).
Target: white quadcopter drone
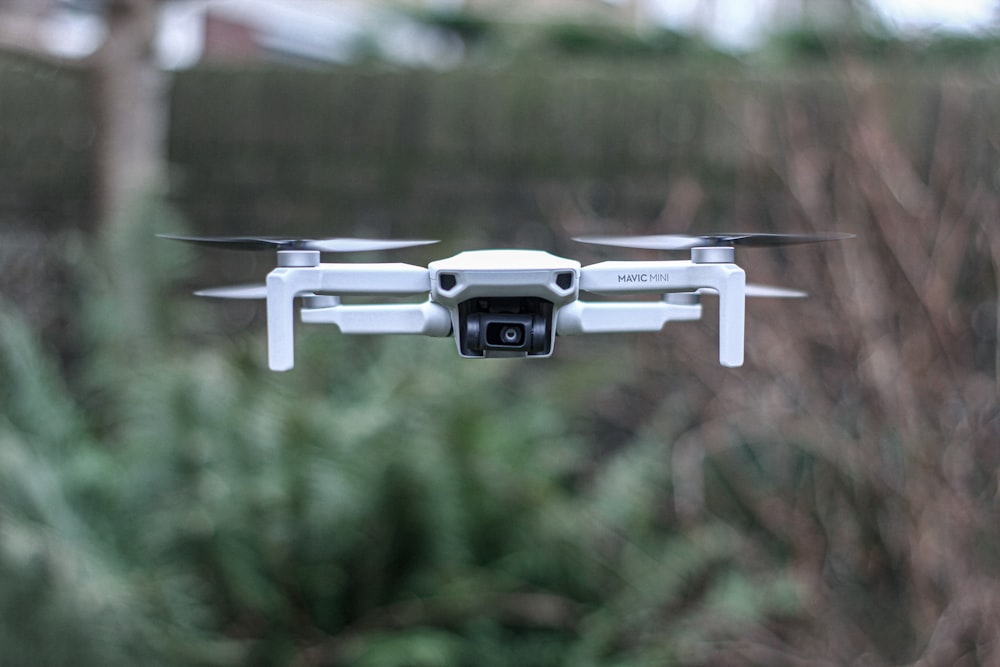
(503,303)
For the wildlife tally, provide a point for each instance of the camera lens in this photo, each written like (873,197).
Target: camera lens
(504,327)
(505,332)
(512,334)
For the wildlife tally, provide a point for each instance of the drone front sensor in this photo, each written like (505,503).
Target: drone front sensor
(503,303)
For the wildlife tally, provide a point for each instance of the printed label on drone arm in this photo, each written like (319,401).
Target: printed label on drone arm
(618,276)
(643,278)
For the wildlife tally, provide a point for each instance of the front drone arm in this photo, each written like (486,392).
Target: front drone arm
(587,317)
(286,283)
(424,319)
(664,277)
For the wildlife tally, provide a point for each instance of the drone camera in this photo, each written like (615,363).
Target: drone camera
(486,332)
(505,327)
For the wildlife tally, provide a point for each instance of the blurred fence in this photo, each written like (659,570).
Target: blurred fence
(390,149)
(490,152)
(46,132)
(435,145)
(486,152)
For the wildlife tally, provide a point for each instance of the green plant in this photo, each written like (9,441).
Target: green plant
(386,504)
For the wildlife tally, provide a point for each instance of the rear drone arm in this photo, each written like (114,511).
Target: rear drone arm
(664,277)
(300,273)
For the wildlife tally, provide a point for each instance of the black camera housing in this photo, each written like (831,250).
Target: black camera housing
(505,326)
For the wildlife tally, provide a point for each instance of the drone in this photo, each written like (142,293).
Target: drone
(503,303)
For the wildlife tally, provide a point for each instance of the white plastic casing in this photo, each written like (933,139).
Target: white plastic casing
(485,273)
(284,284)
(665,277)
(477,274)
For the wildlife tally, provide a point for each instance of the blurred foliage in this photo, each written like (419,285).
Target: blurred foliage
(486,37)
(807,45)
(860,34)
(603,41)
(810,44)
(173,502)
(471,28)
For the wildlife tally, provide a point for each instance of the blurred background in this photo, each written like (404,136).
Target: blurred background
(164,499)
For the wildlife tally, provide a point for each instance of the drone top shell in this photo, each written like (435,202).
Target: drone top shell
(487,273)
(504,260)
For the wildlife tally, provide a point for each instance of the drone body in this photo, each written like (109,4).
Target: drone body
(503,303)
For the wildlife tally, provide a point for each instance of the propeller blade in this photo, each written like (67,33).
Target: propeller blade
(281,243)
(769,291)
(686,242)
(363,245)
(254,291)
(754,290)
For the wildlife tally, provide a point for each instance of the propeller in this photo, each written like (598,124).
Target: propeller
(282,243)
(686,242)
(258,291)
(769,291)
(254,291)
(753,291)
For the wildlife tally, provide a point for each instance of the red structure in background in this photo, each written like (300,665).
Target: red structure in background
(230,40)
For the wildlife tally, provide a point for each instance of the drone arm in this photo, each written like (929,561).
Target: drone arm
(283,285)
(584,317)
(663,277)
(731,286)
(286,283)
(427,319)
